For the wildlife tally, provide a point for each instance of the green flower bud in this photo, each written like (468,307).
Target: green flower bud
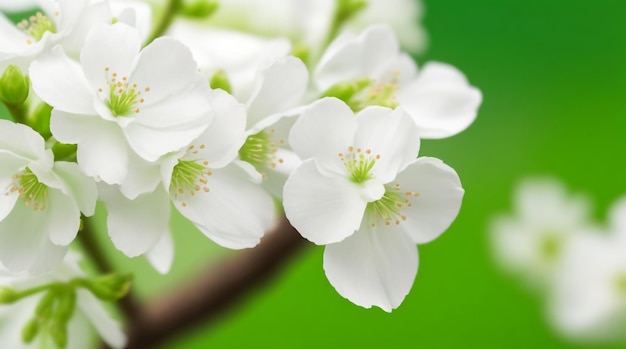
(14,86)
(220,80)
(58,333)
(39,120)
(65,306)
(199,8)
(109,287)
(8,295)
(30,330)
(45,307)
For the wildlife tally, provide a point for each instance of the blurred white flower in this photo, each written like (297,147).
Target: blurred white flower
(588,302)
(41,201)
(438,98)
(239,55)
(89,312)
(546,218)
(121,100)
(361,192)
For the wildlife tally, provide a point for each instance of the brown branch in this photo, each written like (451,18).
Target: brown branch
(221,288)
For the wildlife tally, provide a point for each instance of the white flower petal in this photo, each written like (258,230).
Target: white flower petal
(24,243)
(63,218)
(143,177)
(21,141)
(134,13)
(392,135)
(235,213)
(109,49)
(81,188)
(323,131)
(109,329)
(161,255)
(276,177)
(440,101)
(85,18)
(59,81)
(323,209)
(370,55)
(154,132)
(175,66)
(279,87)
(438,201)
(104,154)
(617,216)
(135,226)
(372,268)
(221,141)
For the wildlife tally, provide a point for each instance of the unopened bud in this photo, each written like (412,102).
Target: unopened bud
(30,330)
(39,120)
(65,306)
(58,333)
(8,295)
(14,86)
(46,305)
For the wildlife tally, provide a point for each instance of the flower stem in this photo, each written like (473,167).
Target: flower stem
(129,305)
(169,12)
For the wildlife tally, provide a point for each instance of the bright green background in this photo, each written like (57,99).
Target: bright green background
(553,75)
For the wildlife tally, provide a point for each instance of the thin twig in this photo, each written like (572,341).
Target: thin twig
(129,305)
(220,289)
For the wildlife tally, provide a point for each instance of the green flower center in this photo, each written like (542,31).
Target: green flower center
(123,98)
(260,149)
(550,246)
(188,178)
(37,25)
(359,163)
(362,93)
(388,209)
(28,187)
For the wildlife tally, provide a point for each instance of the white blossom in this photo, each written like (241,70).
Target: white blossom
(361,192)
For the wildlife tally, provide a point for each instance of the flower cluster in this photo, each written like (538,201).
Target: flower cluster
(555,247)
(220,124)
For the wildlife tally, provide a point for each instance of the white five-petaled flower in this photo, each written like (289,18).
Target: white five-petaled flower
(219,194)
(588,302)
(120,101)
(361,192)
(546,218)
(88,314)
(40,201)
(438,98)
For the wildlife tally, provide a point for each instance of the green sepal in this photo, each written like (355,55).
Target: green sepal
(58,333)
(110,287)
